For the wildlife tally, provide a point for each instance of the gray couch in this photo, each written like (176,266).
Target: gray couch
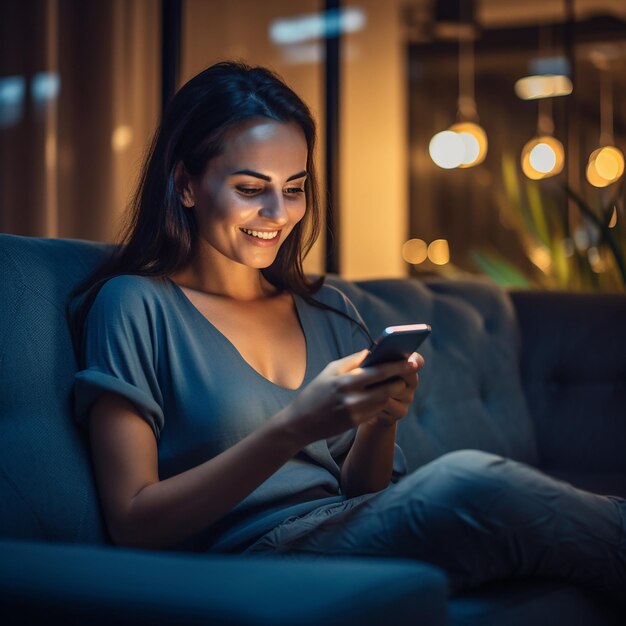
(539,377)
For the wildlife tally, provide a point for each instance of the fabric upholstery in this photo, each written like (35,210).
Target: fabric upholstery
(470,394)
(574,375)
(470,397)
(45,584)
(527,602)
(46,485)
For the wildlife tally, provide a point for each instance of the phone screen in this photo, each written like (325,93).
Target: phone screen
(396,343)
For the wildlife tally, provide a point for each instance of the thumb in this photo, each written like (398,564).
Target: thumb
(348,363)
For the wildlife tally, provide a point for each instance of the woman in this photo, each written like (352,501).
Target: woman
(226,407)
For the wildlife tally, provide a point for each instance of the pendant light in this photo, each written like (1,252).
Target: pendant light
(606,164)
(464,144)
(543,156)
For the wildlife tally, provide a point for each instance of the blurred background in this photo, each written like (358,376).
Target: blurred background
(456,136)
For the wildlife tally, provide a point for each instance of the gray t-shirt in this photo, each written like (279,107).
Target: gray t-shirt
(146,341)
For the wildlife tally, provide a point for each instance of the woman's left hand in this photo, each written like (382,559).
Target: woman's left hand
(401,392)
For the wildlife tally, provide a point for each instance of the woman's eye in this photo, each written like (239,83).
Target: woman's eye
(248,191)
(294,190)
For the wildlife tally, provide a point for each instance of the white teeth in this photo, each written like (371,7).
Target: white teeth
(261,235)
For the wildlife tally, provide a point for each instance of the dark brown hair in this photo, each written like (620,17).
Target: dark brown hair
(159,236)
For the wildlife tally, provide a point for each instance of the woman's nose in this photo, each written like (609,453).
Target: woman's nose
(274,208)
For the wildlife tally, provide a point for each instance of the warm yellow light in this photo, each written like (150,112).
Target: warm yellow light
(605,166)
(474,143)
(613,222)
(594,178)
(541,257)
(542,157)
(415,251)
(121,138)
(545,86)
(446,149)
(439,252)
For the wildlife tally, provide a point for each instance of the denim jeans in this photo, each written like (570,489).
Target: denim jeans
(478,516)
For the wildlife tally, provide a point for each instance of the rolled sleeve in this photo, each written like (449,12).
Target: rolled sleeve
(89,385)
(119,352)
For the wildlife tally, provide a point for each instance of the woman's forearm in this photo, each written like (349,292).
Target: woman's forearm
(169,511)
(369,463)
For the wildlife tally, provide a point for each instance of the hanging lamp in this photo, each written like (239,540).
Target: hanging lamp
(606,164)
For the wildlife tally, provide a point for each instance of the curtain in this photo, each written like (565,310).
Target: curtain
(79,101)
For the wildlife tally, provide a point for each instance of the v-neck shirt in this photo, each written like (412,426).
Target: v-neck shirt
(145,340)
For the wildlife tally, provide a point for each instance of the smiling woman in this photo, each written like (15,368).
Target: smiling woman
(225,394)
(245,204)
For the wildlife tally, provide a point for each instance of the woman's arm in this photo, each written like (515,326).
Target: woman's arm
(368,465)
(142,510)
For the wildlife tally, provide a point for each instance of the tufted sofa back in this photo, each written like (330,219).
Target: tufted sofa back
(46,485)
(470,393)
(469,397)
(574,377)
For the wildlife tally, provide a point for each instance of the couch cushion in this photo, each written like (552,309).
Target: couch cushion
(470,394)
(532,602)
(603,483)
(46,485)
(44,584)
(574,373)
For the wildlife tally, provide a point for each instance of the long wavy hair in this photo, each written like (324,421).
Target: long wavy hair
(159,236)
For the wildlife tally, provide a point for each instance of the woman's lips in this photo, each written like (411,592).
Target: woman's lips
(262,238)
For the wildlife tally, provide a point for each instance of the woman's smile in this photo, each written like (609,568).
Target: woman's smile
(262,237)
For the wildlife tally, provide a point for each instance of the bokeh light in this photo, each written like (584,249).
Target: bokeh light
(542,157)
(415,251)
(605,166)
(474,143)
(446,149)
(439,252)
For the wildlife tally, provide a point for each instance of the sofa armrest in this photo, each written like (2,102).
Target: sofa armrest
(62,583)
(573,368)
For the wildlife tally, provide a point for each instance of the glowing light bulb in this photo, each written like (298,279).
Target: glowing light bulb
(446,149)
(415,251)
(605,166)
(542,157)
(439,252)
(594,178)
(474,143)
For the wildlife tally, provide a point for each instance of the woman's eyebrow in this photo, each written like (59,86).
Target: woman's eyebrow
(301,174)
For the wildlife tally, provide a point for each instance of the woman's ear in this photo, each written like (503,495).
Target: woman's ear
(182,183)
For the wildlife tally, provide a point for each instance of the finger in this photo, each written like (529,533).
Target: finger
(378,373)
(410,380)
(396,409)
(347,363)
(418,359)
(361,405)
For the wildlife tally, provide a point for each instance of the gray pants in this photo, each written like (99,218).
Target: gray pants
(478,516)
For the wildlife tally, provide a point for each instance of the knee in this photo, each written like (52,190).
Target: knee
(474,461)
(464,479)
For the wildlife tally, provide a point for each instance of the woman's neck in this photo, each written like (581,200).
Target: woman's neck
(229,280)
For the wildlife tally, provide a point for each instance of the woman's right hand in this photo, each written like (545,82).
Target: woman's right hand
(343,396)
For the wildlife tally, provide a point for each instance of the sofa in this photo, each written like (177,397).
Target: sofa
(536,376)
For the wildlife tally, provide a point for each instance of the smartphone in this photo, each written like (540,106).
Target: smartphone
(396,343)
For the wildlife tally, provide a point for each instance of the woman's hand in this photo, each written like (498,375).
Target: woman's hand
(400,394)
(344,395)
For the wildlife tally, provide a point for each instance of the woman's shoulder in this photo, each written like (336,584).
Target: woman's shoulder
(130,291)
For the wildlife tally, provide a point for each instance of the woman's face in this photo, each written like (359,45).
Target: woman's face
(251,196)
